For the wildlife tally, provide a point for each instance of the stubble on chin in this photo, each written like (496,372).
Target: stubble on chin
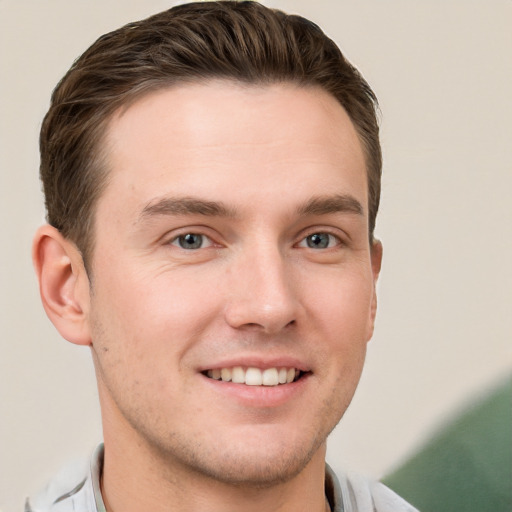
(239,470)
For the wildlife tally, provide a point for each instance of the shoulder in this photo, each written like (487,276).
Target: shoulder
(376,494)
(360,494)
(71,490)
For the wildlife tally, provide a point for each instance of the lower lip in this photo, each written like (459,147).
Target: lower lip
(259,396)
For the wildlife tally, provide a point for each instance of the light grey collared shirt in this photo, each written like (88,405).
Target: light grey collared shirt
(79,491)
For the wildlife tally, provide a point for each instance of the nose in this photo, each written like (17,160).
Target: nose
(262,292)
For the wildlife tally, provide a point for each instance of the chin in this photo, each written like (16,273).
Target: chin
(257,472)
(249,461)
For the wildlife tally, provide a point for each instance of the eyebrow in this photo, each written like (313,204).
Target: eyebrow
(324,205)
(185,206)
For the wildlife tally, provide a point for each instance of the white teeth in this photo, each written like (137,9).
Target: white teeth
(225,374)
(270,377)
(238,375)
(255,376)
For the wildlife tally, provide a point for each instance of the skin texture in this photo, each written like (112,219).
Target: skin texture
(255,171)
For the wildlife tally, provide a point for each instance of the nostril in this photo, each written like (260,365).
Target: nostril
(252,312)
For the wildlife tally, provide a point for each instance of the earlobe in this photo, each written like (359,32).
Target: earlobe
(63,284)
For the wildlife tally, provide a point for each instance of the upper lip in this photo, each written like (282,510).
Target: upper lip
(257,362)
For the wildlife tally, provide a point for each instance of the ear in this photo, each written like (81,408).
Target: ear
(63,284)
(376,261)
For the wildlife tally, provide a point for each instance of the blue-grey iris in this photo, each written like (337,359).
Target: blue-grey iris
(318,241)
(190,241)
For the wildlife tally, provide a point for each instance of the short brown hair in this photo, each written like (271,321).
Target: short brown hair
(241,41)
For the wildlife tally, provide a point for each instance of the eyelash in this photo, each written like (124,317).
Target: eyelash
(332,240)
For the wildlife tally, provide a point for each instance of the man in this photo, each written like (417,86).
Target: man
(212,178)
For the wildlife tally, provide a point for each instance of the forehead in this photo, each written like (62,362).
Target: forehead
(223,139)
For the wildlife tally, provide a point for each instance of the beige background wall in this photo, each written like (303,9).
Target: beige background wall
(443,73)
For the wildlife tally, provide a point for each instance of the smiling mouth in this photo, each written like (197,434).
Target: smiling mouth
(252,376)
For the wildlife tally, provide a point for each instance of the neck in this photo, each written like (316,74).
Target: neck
(135,479)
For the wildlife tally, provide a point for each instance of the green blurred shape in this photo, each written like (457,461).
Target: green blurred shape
(467,466)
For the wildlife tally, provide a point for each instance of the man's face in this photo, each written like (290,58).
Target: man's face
(232,239)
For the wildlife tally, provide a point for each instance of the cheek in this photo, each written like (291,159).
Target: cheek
(162,312)
(343,305)
(142,330)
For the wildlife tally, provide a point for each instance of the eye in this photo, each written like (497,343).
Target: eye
(320,241)
(190,241)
